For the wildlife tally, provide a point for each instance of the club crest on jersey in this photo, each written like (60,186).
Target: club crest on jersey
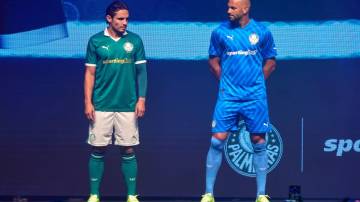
(128,47)
(239,150)
(254,38)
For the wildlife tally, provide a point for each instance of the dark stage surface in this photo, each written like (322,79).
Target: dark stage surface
(149,199)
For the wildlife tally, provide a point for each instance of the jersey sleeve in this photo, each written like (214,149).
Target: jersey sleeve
(140,63)
(140,53)
(215,46)
(90,58)
(268,46)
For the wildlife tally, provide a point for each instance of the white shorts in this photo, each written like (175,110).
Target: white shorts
(123,125)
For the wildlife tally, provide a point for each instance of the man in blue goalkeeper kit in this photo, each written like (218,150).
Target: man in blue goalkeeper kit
(241,55)
(115,88)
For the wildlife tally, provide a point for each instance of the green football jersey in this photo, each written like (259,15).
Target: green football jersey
(120,76)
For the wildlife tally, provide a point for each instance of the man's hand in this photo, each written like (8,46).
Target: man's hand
(269,67)
(90,111)
(140,107)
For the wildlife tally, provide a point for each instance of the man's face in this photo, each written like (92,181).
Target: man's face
(236,9)
(119,22)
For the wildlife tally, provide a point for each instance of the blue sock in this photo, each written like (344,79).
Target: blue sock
(213,162)
(260,163)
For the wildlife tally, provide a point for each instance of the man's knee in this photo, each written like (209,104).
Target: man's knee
(220,136)
(258,138)
(98,151)
(217,144)
(127,150)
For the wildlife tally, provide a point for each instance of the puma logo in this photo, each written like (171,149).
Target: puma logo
(105,47)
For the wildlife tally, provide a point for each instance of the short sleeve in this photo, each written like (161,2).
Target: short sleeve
(140,53)
(90,58)
(215,46)
(268,46)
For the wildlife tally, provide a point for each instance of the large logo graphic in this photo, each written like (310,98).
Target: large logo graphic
(239,151)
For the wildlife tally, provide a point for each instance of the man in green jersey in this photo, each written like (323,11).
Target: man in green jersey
(115,87)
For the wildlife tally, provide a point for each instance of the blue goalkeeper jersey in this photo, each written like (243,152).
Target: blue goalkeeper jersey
(242,52)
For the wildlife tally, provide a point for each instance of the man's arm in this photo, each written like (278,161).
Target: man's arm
(88,91)
(269,67)
(142,88)
(215,68)
(141,77)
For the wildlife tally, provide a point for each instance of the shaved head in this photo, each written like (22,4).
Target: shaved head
(238,10)
(243,3)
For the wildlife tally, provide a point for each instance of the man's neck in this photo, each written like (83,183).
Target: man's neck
(244,21)
(114,34)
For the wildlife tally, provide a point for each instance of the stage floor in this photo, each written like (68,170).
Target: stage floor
(145,199)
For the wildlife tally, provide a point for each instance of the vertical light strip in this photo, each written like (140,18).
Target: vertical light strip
(302,145)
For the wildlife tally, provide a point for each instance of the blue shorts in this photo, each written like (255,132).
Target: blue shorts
(227,115)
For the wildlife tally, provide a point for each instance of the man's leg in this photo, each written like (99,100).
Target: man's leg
(96,169)
(225,118)
(99,137)
(127,136)
(213,163)
(260,161)
(129,169)
(256,116)
(213,160)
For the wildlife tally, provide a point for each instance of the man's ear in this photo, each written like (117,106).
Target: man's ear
(108,18)
(245,10)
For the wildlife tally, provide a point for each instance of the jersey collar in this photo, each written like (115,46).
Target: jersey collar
(106,33)
(238,26)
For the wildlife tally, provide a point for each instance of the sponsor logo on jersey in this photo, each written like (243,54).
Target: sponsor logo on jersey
(118,61)
(128,47)
(242,52)
(239,150)
(253,38)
